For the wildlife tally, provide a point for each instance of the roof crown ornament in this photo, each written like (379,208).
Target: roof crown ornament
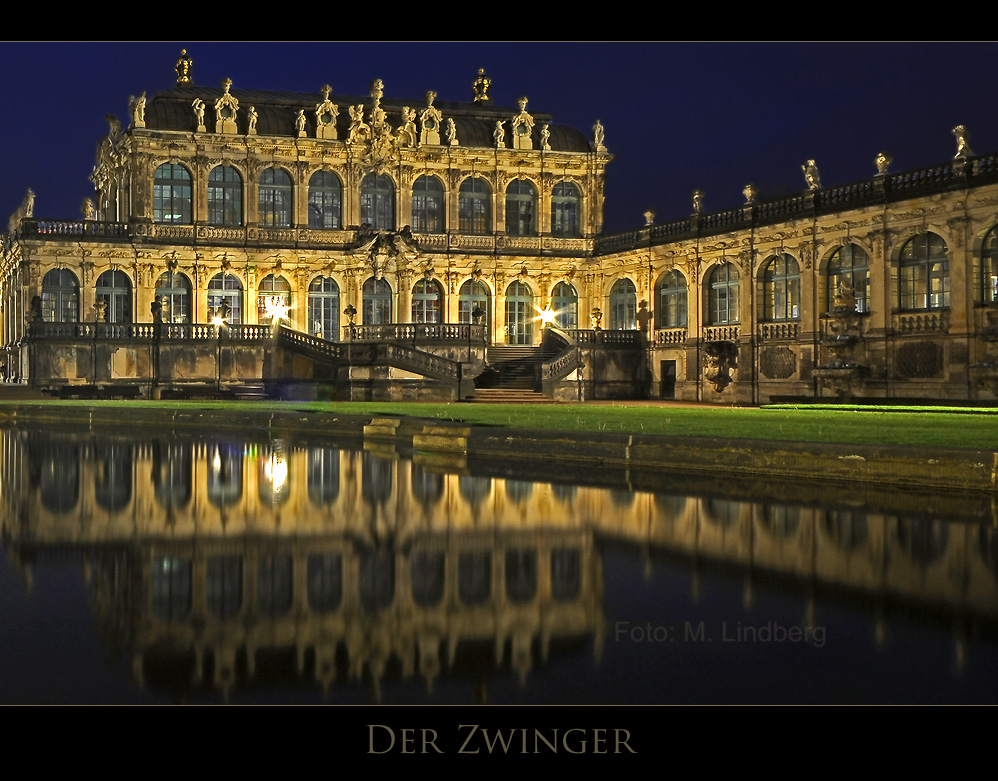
(430,119)
(523,126)
(325,116)
(183,68)
(963,150)
(226,108)
(481,87)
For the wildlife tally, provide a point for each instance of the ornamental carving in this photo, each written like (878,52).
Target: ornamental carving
(226,109)
(523,127)
(919,360)
(325,116)
(777,363)
(429,120)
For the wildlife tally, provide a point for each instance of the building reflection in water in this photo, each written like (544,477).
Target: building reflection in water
(223,558)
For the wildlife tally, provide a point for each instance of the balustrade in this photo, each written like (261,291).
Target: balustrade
(776,331)
(921,322)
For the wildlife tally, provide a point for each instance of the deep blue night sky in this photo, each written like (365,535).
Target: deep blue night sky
(678,116)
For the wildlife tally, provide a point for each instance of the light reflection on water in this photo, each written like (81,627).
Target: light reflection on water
(205,569)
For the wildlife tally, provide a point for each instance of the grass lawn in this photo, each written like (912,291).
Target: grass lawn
(912,426)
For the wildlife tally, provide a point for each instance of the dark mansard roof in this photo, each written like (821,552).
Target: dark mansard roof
(171,109)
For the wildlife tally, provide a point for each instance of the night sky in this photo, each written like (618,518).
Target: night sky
(678,116)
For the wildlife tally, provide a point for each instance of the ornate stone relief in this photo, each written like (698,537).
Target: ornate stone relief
(429,120)
(523,127)
(325,116)
(407,130)
(226,109)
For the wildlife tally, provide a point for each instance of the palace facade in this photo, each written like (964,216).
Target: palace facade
(370,247)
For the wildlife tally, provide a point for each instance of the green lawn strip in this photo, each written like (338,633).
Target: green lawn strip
(801,424)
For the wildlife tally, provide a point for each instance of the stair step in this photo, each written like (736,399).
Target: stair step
(508,396)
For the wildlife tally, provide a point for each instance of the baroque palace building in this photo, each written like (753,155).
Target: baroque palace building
(366,247)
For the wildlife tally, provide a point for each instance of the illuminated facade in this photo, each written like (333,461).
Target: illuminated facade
(370,247)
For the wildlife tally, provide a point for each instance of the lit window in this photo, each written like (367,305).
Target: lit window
(781,289)
(723,295)
(225,196)
(428,205)
(671,290)
(325,200)
(275,202)
(521,208)
(171,194)
(924,274)
(474,206)
(566,203)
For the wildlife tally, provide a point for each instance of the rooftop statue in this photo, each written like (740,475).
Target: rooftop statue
(811,175)
(963,149)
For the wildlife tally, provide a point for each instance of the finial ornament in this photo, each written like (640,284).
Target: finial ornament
(963,150)
(326,89)
(481,87)
(598,136)
(883,162)
(811,175)
(649,217)
(749,193)
(183,67)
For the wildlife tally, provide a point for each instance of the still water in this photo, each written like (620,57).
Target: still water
(190,567)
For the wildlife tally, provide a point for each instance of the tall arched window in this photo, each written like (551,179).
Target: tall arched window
(473,295)
(849,266)
(427,301)
(114,290)
(671,294)
(924,273)
(519,314)
(623,306)
(324,308)
(272,296)
(566,206)
(171,194)
(565,303)
(275,198)
(474,206)
(521,208)
(60,297)
(225,196)
(988,285)
(377,202)
(722,295)
(428,205)
(228,289)
(325,201)
(781,289)
(377,302)
(173,292)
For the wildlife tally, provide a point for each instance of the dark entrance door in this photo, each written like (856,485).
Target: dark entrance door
(668,389)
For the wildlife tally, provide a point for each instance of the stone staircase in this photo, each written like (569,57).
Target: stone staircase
(515,382)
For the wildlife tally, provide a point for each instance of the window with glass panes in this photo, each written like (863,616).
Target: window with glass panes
(114,289)
(325,201)
(781,289)
(849,266)
(225,288)
(566,203)
(474,206)
(173,292)
(565,303)
(521,208)
(623,306)
(377,202)
(225,196)
(427,301)
(473,295)
(427,205)
(672,310)
(60,297)
(171,194)
(377,302)
(723,295)
(324,308)
(989,268)
(275,198)
(924,273)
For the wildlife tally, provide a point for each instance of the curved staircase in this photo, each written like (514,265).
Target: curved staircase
(515,379)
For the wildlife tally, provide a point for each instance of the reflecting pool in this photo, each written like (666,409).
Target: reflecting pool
(195,567)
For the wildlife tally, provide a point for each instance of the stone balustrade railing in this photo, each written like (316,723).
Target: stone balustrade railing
(666,336)
(936,321)
(779,331)
(414,332)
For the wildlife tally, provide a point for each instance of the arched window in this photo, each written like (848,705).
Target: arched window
(671,295)
(566,206)
(114,290)
(521,208)
(377,302)
(427,301)
(781,289)
(924,273)
(60,297)
(849,266)
(324,308)
(173,292)
(273,297)
(225,196)
(474,206)
(623,306)
(473,295)
(275,201)
(171,194)
(113,476)
(989,268)
(428,205)
(228,289)
(325,201)
(377,202)
(225,475)
(722,295)
(565,303)
(519,314)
